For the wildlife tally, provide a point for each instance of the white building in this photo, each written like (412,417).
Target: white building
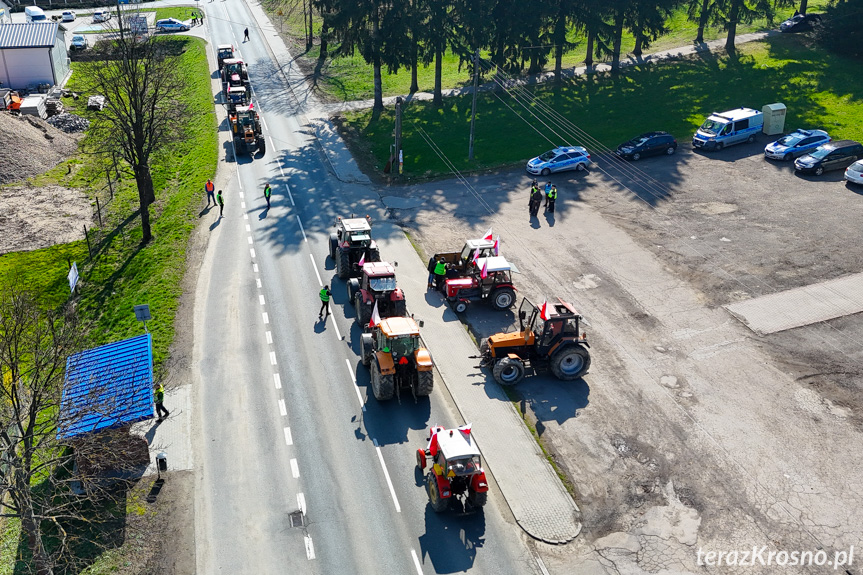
(33,54)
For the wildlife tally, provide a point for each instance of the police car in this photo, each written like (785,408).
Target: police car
(796,144)
(559,160)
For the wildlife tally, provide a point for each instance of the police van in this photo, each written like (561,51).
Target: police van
(34,14)
(728,128)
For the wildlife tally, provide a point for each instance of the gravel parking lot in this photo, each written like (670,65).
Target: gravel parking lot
(690,431)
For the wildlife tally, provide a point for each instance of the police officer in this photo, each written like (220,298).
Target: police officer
(440,274)
(324,294)
(158,398)
(535,200)
(546,192)
(267,193)
(550,197)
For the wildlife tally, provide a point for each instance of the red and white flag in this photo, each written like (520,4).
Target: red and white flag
(251,105)
(376,317)
(363,260)
(465,429)
(475,256)
(497,246)
(543,311)
(488,235)
(483,273)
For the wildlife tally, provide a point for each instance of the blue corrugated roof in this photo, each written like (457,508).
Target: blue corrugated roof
(29,35)
(107,386)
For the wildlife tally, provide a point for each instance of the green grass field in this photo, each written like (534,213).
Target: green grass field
(820,89)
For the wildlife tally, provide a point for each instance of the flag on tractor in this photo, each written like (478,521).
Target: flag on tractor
(543,311)
(497,246)
(483,273)
(376,317)
(362,260)
(487,235)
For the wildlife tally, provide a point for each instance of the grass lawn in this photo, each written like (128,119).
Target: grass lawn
(820,89)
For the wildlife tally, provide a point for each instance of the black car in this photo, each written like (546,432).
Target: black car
(800,23)
(833,156)
(649,144)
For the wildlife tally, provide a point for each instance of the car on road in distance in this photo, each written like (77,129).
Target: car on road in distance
(559,160)
(101,16)
(854,172)
(171,25)
(796,144)
(79,42)
(831,156)
(67,16)
(800,23)
(649,144)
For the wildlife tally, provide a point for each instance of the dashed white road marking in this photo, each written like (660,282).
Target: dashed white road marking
(288,439)
(269,337)
(305,239)
(248,227)
(255,267)
(335,325)
(354,381)
(264,122)
(295,470)
(245,216)
(387,475)
(273,358)
(277,381)
(243,205)
(310,548)
(417,562)
(266,318)
(242,195)
(314,267)
(252,251)
(282,409)
(238,168)
(258,282)
(251,241)
(261,299)
(301,502)
(288,187)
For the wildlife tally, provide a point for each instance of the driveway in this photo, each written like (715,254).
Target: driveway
(691,433)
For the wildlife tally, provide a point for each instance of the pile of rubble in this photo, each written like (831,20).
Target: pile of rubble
(31,146)
(69,123)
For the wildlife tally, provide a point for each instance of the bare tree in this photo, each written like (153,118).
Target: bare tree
(141,81)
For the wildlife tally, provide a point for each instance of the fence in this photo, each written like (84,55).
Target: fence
(103,197)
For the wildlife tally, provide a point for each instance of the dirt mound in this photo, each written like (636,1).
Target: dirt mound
(30,147)
(34,218)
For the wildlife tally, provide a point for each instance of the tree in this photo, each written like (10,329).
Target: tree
(699,11)
(142,84)
(733,12)
(433,36)
(840,30)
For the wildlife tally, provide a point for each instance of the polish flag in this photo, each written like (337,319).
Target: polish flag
(543,311)
(362,260)
(376,317)
(465,429)
(251,105)
(475,256)
(483,273)
(488,235)
(497,246)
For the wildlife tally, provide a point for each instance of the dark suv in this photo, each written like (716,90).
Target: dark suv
(833,156)
(649,144)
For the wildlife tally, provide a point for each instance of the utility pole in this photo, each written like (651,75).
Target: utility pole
(473,110)
(398,147)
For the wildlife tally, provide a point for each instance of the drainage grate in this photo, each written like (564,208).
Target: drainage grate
(298,519)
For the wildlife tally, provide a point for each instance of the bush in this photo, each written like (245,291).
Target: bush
(840,31)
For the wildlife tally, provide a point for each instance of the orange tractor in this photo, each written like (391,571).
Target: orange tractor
(394,354)
(246,130)
(456,471)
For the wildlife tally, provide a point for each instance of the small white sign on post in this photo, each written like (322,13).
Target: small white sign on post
(73,276)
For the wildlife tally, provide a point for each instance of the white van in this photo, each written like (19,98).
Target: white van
(728,128)
(35,14)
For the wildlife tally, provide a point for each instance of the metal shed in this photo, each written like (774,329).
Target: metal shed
(32,54)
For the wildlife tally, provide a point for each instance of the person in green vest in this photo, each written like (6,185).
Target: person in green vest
(158,398)
(267,193)
(440,274)
(221,202)
(550,197)
(325,294)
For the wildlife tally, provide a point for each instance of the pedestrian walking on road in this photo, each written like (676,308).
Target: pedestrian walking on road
(267,193)
(325,294)
(550,198)
(246,35)
(440,274)
(158,398)
(221,203)
(210,188)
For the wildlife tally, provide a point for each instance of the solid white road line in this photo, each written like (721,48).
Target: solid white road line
(282,409)
(305,239)
(417,562)
(387,475)
(301,502)
(261,299)
(541,565)
(238,166)
(335,325)
(273,358)
(269,337)
(258,282)
(288,439)
(295,470)
(266,317)
(310,548)
(314,267)
(354,381)
(277,381)
(252,252)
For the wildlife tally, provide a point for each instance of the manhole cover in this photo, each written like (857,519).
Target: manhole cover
(298,519)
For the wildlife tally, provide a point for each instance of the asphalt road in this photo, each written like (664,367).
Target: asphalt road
(286,424)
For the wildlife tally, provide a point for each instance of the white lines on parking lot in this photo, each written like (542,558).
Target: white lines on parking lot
(354,381)
(305,239)
(277,381)
(295,470)
(417,562)
(273,358)
(288,438)
(261,299)
(310,548)
(266,318)
(282,409)
(387,475)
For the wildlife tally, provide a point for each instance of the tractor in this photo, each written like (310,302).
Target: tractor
(352,243)
(456,470)
(496,287)
(393,352)
(548,338)
(237,96)
(464,261)
(224,52)
(376,286)
(234,73)
(246,130)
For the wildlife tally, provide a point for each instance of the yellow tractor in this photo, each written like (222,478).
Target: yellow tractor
(393,352)
(246,130)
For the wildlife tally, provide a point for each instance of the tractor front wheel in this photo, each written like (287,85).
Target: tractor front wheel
(343,264)
(425,383)
(366,344)
(503,298)
(334,246)
(476,498)
(460,306)
(438,503)
(262,146)
(383,386)
(508,371)
(570,363)
(353,288)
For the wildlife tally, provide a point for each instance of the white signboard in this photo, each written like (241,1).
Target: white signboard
(73,276)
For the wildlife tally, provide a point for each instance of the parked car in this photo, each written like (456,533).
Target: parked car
(101,16)
(67,16)
(171,25)
(832,156)
(559,160)
(800,23)
(649,144)
(796,144)
(732,127)
(79,42)
(854,172)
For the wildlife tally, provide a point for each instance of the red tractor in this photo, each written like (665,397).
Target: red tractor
(376,286)
(456,471)
(496,286)
(351,244)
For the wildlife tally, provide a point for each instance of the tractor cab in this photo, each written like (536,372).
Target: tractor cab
(396,358)
(246,118)
(352,244)
(400,337)
(224,52)
(456,469)
(378,277)
(233,68)
(463,262)
(496,286)
(376,287)
(563,321)
(355,231)
(237,96)
(455,453)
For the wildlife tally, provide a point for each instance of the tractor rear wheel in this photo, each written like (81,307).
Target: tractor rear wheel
(364,314)
(438,503)
(366,343)
(425,383)
(476,498)
(503,298)
(334,246)
(570,362)
(508,371)
(353,288)
(383,386)
(262,145)
(343,264)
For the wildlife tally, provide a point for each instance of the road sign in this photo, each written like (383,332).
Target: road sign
(142,312)
(73,276)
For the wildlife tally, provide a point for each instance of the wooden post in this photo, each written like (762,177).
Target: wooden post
(99,211)
(110,186)
(87,237)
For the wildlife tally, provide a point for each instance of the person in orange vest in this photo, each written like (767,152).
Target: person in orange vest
(210,191)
